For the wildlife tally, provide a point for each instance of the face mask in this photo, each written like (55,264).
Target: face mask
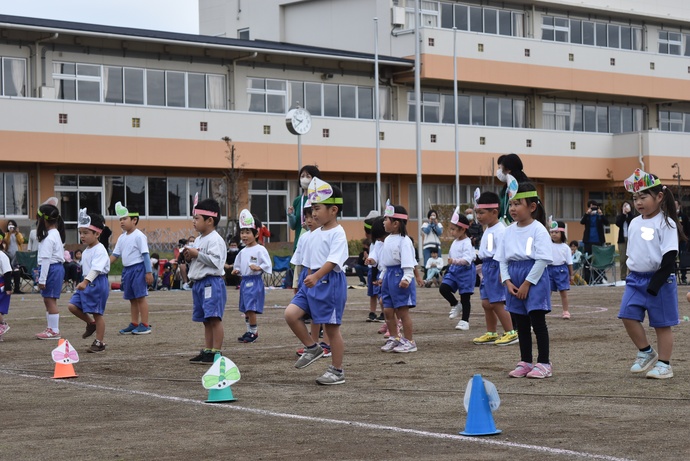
(234,250)
(154,260)
(304,182)
(470,217)
(499,174)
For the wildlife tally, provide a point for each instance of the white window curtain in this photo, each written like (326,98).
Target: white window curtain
(518,25)
(18,78)
(216,92)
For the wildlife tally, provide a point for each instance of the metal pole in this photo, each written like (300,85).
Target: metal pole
(377,114)
(418,126)
(455,111)
(299,152)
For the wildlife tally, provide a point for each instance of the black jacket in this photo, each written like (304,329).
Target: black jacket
(620,220)
(602,221)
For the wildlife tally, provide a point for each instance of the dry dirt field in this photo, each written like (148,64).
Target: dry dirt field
(141,399)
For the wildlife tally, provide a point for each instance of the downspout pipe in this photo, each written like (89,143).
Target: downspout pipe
(39,76)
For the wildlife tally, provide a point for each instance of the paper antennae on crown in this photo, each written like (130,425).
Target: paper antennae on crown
(122,212)
(84,221)
(247,220)
(201,212)
(455,219)
(640,181)
(319,191)
(390,212)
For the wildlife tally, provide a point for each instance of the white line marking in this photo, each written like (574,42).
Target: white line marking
(340,422)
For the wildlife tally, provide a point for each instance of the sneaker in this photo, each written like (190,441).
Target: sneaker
(142,329)
(48,334)
(203,357)
(309,356)
(372,317)
(462,325)
(90,329)
(455,312)
(186,287)
(521,370)
(508,338)
(362,284)
(383,328)
(326,349)
(331,377)
(129,329)
(96,347)
(660,371)
(644,361)
(250,337)
(566,315)
(486,338)
(405,346)
(4,328)
(391,344)
(244,336)
(540,371)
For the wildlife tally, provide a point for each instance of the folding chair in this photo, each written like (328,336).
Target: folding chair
(281,266)
(25,263)
(602,259)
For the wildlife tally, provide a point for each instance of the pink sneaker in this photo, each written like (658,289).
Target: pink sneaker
(4,328)
(48,334)
(541,371)
(383,328)
(521,370)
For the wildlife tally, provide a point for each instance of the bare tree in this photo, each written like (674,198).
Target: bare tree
(233,176)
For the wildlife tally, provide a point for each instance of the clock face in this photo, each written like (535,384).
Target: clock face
(298,121)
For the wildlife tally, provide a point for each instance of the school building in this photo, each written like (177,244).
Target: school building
(583,92)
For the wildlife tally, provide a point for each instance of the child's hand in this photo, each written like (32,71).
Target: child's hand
(572,280)
(512,289)
(369,262)
(404,284)
(688,296)
(235,271)
(463,262)
(190,253)
(524,290)
(254,267)
(82,285)
(420,281)
(378,284)
(41,286)
(149,278)
(310,281)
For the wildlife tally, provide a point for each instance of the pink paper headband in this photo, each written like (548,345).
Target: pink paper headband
(205,212)
(487,205)
(95,229)
(463,225)
(397,216)
(557,229)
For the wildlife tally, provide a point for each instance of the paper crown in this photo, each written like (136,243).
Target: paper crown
(553,225)
(247,220)
(477,194)
(455,219)
(390,211)
(84,221)
(512,190)
(640,181)
(307,204)
(320,191)
(122,212)
(202,212)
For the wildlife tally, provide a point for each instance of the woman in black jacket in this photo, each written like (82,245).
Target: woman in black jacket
(594,221)
(512,165)
(623,221)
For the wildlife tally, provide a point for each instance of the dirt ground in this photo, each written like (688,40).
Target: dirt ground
(142,399)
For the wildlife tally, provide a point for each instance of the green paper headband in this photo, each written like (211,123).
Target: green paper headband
(526,194)
(332,201)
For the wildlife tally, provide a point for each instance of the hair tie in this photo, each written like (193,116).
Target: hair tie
(663,188)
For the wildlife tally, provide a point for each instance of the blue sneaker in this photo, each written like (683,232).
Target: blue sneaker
(142,330)
(250,337)
(128,331)
(242,338)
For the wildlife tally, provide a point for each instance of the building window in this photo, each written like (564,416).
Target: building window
(673,121)
(670,42)
(267,129)
(555,29)
(326,133)
(136,122)
(359,198)
(243,34)
(590,118)
(436,194)
(203,126)
(591,33)
(266,95)
(429,12)
(472,110)
(14,194)
(13,73)
(62,119)
(268,200)
(563,203)
(483,20)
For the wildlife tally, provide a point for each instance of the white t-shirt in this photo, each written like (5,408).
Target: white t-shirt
(491,239)
(523,243)
(461,249)
(397,250)
(561,254)
(648,241)
(50,251)
(211,258)
(131,247)
(327,246)
(5,265)
(255,255)
(434,261)
(95,258)
(300,253)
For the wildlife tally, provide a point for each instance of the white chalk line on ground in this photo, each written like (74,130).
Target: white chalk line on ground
(340,422)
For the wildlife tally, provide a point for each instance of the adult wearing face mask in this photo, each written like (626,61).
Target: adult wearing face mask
(475,231)
(623,221)
(295,213)
(431,233)
(509,164)
(232,280)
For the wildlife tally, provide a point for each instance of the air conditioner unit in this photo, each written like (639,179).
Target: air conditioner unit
(47,92)
(398,16)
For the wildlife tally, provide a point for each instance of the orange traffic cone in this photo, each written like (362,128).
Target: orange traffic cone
(63,361)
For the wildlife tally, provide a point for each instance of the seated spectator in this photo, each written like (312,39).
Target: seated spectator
(577,262)
(433,269)
(360,268)
(167,278)
(155,258)
(232,280)
(73,273)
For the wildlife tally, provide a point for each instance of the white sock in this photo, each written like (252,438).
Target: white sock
(54,322)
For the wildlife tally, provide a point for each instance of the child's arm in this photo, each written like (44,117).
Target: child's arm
(148,269)
(311,279)
(667,267)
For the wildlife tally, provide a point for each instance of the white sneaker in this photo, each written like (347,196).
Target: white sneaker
(455,312)
(462,325)
(405,346)
(660,371)
(644,361)
(391,344)
(185,286)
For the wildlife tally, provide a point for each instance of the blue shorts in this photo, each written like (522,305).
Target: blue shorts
(491,288)
(92,299)
(539,296)
(325,301)
(559,277)
(391,293)
(209,296)
(134,282)
(4,298)
(252,294)
(662,308)
(56,277)
(461,278)
(372,290)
